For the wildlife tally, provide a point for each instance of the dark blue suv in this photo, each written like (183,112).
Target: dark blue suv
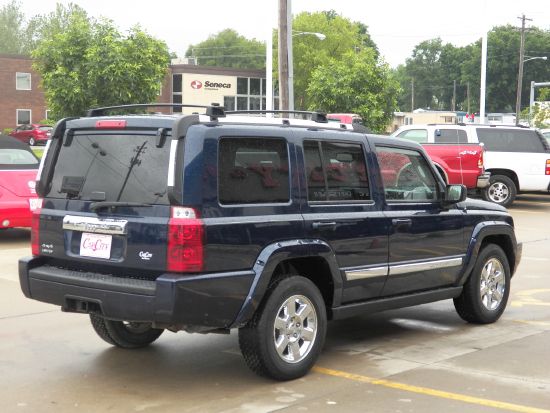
(206,223)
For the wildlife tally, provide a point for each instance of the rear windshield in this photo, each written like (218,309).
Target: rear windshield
(45,128)
(510,140)
(126,168)
(11,158)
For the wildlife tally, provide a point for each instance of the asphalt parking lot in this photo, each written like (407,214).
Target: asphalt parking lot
(419,359)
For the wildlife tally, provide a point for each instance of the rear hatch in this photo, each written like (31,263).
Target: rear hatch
(107,208)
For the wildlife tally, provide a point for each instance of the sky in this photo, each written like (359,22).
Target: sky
(396,26)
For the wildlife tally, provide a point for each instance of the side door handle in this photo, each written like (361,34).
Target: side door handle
(401,222)
(324,225)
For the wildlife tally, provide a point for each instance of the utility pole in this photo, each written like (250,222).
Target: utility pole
(520,71)
(468,96)
(454,95)
(412,94)
(283,55)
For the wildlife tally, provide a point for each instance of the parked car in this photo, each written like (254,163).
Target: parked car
(33,134)
(272,226)
(18,199)
(346,118)
(458,161)
(518,158)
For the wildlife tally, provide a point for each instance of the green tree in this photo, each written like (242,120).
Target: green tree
(13,30)
(355,83)
(86,63)
(229,49)
(342,36)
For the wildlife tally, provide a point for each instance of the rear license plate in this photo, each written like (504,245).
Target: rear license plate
(95,245)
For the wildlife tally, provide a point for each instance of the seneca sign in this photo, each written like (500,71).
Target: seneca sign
(196,84)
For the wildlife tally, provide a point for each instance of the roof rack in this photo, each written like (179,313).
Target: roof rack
(318,117)
(215,111)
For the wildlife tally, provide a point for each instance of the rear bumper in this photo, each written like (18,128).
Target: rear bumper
(483,180)
(195,303)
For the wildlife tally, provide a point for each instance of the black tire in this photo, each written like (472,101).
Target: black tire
(258,338)
(490,279)
(32,142)
(501,190)
(124,334)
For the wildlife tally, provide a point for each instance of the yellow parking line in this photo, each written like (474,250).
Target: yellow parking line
(430,392)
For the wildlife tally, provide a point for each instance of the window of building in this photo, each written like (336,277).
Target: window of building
(406,175)
(336,171)
(229,102)
(242,103)
(23,116)
(177,95)
(242,86)
(450,136)
(253,171)
(255,86)
(47,114)
(448,119)
(22,81)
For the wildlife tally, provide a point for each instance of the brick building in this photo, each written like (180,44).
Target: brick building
(21,97)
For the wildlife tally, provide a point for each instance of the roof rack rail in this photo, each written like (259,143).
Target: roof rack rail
(215,111)
(318,117)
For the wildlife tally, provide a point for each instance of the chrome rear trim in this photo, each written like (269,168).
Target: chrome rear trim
(95,225)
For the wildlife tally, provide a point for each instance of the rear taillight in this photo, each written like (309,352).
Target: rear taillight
(547,169)
(185,251)
(35,229)
(480,164)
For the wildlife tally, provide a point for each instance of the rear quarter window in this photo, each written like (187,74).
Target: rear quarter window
(253,171)
(510,140)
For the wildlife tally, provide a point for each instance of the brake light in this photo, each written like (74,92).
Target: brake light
(185,252)
(35,229)
(547,169)
(110,124)
(480,160)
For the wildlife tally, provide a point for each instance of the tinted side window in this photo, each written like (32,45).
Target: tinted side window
(253,171)
(415,135)
(450,136)
(336,171)
(510,140)
(406,175)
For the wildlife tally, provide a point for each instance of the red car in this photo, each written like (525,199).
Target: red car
(18,168)
(33,134)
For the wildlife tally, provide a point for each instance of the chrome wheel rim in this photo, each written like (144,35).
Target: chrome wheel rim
(492,284)
(295,329)
(498,192)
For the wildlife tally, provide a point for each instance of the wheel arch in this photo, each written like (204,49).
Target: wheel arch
(506,172)
(491,232)
(313,259)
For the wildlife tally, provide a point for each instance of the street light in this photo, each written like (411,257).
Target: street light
(319,36)
(520,82)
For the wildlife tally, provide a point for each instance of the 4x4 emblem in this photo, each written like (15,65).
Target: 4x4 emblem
(145,255)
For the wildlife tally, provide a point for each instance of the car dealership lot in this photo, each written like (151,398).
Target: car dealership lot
(420,359)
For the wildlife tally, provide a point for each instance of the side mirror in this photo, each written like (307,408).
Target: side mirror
(454,194)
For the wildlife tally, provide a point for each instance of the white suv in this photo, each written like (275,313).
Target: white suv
(518,158)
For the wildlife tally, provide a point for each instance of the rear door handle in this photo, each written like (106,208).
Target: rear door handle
(324,225)
(401,222)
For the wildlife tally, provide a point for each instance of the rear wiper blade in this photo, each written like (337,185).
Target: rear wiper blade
(115,204)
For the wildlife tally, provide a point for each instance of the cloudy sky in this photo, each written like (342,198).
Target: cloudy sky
(395,25)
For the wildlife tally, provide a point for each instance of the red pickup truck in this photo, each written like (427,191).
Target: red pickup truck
(458,163)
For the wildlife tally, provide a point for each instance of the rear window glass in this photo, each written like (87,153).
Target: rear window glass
(45,128)
(253,171)
(415,135)
(11,158)
(510,140)
(450,136)
(127,168)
